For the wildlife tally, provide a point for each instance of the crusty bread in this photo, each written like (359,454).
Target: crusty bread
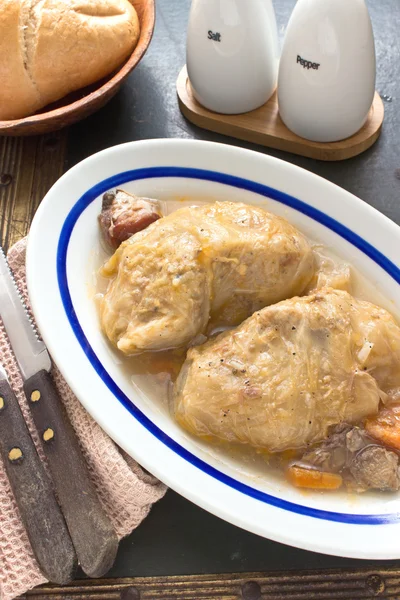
(18,95)
(49,48)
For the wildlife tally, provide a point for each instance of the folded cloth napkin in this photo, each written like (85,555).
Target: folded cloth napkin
(125,490)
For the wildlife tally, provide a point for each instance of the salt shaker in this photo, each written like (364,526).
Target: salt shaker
(327,71)
(232,53)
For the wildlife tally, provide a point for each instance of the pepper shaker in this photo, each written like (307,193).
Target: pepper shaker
(326,82)
(232,53)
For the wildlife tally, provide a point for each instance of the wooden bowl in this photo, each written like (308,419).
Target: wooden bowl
(84,102)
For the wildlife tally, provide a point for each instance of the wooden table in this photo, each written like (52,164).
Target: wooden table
(173,553)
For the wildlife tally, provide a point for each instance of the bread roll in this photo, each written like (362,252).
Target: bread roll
(49,48)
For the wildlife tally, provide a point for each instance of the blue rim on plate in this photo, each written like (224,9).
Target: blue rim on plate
(190,173)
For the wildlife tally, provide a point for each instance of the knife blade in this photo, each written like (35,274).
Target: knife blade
(29,350)
(33,492)
(90,528)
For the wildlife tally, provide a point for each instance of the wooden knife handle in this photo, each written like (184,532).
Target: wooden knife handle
(90,528)
(34,495)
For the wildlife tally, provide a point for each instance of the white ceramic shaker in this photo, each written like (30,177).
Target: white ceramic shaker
(232,53)
(327,71)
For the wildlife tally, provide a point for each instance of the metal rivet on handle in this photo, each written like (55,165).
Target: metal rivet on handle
(251,591)
(48,435)
(15,454)
(130,593)
(375,584)
(5,179)
(2,403)
(35,396)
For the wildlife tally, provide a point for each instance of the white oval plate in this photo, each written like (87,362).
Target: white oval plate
(63,251)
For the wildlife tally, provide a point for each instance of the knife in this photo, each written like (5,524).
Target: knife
(90,528)
(33,492)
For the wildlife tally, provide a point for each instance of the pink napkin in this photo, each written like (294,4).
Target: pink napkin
(125,490)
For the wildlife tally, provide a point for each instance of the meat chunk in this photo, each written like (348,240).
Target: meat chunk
(196,263)
(336,452)
(290,372)
(352,452)
(375,467)
(124,214)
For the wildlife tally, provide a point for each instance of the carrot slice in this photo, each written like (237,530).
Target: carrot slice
(385,427)
(312,479)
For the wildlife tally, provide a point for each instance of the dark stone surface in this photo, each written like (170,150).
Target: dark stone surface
(178,537)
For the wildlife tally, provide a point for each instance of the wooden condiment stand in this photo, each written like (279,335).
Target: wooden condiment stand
(264,126)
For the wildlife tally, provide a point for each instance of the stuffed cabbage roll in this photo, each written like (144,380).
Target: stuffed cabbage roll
(220,261)
(290,372)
